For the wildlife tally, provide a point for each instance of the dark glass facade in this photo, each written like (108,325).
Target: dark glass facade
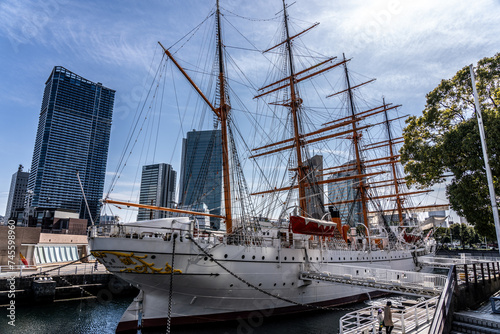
(157,189)
(17,194)
(201,172)
(72,136)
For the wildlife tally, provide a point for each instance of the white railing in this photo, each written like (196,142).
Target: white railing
(395,277)
(405,321)
(55,269)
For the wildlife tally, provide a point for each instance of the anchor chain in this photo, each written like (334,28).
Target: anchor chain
(264,291)
(174,237)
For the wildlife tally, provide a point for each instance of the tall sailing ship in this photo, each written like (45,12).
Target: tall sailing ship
(187,274)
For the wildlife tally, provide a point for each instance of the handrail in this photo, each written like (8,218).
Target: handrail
(480,273)
(410,318)
(445,300)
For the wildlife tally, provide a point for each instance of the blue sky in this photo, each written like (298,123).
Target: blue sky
(409,46)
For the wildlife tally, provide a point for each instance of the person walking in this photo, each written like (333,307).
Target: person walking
(389,325)
(380,318)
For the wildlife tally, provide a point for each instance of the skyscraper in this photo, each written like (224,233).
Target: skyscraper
(314,193)
(158,189)
(17,193)
(73,136)
(347,190)
(201,172)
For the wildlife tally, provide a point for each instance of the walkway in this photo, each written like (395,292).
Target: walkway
(394,281)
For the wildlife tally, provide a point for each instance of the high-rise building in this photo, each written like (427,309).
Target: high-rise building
(72,137)
(158,189)
(314,193)
(201,172)
(17,194)
(347,190)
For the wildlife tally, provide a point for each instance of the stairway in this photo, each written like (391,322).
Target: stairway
(475,323)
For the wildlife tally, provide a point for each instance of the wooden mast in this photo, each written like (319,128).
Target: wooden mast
(393,166)
(222,113)
(356,136)
(294,108)
(224,109)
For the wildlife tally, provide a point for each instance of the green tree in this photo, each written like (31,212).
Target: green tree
(442,235)
(445,141)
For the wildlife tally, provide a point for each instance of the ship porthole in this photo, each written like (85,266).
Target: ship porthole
(276,257)
(260,284)
(263,258)
(231,285)
(285,258)
(243,256)
(206,258)
(253,257)
(293,258)
(153,257)
(225,256)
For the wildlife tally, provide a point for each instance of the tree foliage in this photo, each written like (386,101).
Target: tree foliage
(445,141)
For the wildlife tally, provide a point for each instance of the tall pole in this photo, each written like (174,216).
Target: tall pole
(485,155)
(393,165)
(356,138)
(224,111)
(294,108)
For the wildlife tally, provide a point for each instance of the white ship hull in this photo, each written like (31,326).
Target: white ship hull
(203,291)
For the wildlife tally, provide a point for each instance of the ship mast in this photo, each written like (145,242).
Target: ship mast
(356,138)
(393,165)
(294,108)
(224,109)
(222,113)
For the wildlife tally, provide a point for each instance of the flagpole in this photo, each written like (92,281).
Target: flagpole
(485,154)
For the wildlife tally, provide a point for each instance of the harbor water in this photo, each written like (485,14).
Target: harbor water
(91,316)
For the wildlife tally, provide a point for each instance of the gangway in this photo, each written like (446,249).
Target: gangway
(447,262)
(414,319)
(394,281)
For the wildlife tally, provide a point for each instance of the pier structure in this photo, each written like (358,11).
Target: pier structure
(387,280)
(468,286)
(56,283)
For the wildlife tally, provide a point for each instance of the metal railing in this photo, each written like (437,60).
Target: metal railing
(461,274)
(405,321)
(55,270)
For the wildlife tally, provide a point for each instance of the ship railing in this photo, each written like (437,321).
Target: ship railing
(407,320)
(389,276)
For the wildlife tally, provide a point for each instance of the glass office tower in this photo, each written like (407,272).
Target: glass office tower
(201,173)
(157,189)
(73,136)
